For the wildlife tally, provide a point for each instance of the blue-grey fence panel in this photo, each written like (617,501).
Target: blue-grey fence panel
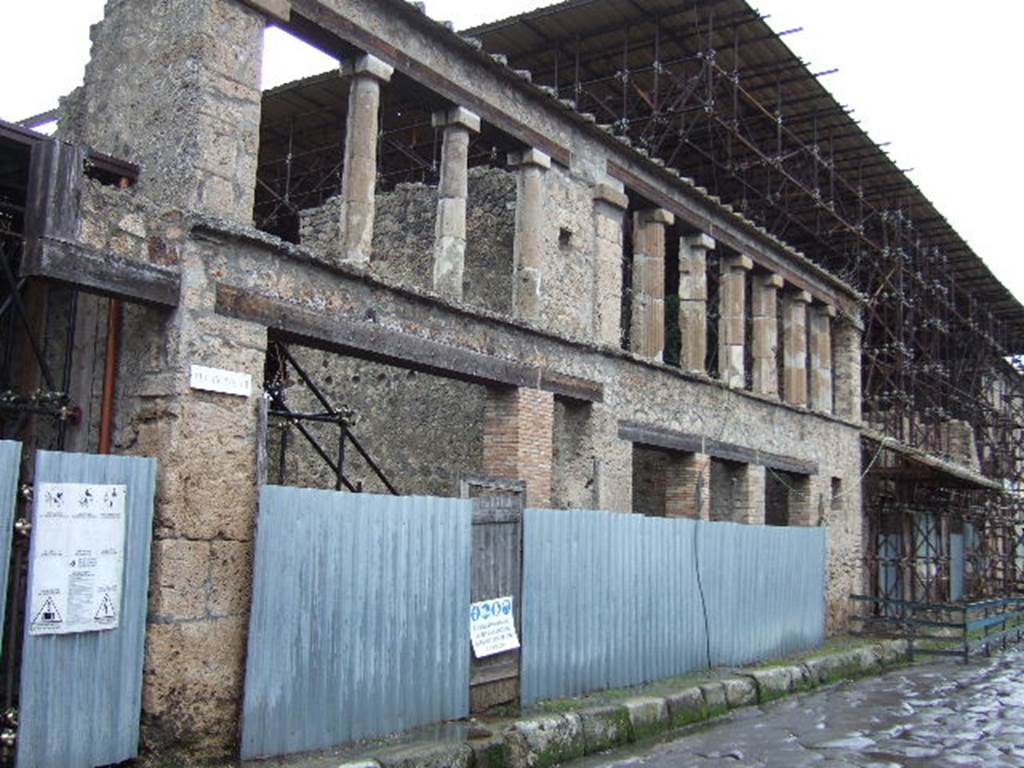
(360,618)
(613,600)
(81,694)
(10,460)
(608,601)
(764,587)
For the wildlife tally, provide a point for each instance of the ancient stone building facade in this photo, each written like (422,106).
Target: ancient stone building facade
(536,308)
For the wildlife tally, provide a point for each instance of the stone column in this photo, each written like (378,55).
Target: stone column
(452,191)
(847,368)
(609,209)
(647,330)
(687,486)
(528,249)
(732,321)
(794,347)
(518,439)
(765,344)
(749,494)
(820,346)
(359,175)
(693,301)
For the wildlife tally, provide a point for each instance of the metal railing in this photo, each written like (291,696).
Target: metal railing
(958,630)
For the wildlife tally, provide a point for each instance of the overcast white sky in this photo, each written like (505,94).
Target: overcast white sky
(936,78)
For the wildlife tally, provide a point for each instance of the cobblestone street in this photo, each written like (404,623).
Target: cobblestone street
(938,715)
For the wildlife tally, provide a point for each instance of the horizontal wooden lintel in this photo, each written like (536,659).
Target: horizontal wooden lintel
(391,347)
(685,442)
(101,272)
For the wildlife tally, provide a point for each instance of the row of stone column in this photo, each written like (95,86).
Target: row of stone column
(359,187)
(806,325)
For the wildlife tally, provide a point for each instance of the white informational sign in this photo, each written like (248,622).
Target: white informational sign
(77,558)
(492,627)
(219,380)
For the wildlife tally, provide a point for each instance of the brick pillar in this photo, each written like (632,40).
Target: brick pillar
(452,191)
(794,347)
(647,333)
(765,344)
(806,501)
(732,320)
(518,435)
(687,486)
(178,93)
(609,210)
(749,494)
(820,354)
(847,368)
(528,249)
(693,301)
(359,174)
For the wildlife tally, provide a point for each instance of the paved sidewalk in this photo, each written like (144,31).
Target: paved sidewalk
(934,715)
(557,732)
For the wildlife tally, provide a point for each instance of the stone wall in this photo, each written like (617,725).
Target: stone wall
(567,290)
(174,87)
(423,431)
(574,481)
(195,133)
(403,236)
(650,472)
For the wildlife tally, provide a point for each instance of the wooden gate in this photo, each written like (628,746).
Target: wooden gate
(497,572)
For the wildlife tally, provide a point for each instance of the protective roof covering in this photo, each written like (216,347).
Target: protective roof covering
(550,40)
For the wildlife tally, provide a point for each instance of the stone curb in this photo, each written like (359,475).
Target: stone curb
(548,740)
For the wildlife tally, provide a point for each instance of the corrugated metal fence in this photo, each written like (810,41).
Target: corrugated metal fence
(10,458)
(612,600)
(81,694)
(360,618)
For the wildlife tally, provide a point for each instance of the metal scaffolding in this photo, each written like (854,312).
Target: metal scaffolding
(707,88)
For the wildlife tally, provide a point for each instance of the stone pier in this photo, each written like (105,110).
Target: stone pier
(846,367)
(359,175)
(732,321)
(528,250)
(453,189)
(647,331)
(820,346)
(794,347)
(750,494)
(693,301)
(765,344)
(609,212)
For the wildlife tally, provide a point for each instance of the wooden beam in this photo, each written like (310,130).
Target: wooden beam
(373,342)
(277,10)
(101,272)
(306,12)
(684,442)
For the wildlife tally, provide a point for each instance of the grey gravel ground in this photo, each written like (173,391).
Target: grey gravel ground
(936,715)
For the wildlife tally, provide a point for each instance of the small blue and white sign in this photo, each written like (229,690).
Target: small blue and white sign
(492,627)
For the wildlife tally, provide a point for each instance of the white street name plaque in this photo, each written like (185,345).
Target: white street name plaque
(219,380)
(77,558)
